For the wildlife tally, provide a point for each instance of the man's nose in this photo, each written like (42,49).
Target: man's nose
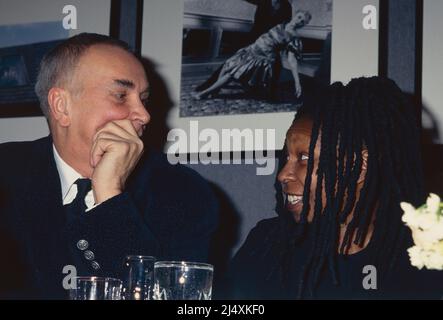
(139,113)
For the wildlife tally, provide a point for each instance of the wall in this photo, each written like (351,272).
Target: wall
(92,16)
(354,49)
(246,198)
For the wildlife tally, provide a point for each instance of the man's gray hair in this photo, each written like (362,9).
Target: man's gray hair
(57,66)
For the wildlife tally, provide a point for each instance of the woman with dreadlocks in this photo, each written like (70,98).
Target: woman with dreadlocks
(351,158)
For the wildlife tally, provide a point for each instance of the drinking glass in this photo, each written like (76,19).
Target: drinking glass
(181,280)
(138,281)
(95,288)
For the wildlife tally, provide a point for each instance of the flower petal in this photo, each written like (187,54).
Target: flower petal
(433,203)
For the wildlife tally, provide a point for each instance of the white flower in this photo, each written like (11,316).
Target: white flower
(426,224)
(415,218)
(410,214)
(426,239)
(434,261)
(433,204)
(416,257)
(425,220)
(407,207)
(431,258)
(435,232)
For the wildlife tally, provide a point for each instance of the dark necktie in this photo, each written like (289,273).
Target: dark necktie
(78,205)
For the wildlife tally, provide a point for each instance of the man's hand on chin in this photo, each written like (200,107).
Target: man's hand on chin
(115,152)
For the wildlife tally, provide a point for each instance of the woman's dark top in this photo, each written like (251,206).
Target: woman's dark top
(251,275)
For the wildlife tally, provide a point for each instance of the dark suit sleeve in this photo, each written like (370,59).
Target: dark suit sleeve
(112,230)
(185,214)
(171,221)
(191,235)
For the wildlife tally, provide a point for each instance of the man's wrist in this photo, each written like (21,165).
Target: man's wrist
(103,195)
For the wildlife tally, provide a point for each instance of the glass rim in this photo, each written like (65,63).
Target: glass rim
(95,278)
(134,256)
(197,265)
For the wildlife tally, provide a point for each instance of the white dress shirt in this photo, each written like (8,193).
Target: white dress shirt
(67,178)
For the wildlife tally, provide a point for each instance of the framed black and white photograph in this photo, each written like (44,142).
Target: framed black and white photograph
(239,64)
(254,56)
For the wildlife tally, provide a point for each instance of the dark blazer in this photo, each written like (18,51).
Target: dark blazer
(166,211)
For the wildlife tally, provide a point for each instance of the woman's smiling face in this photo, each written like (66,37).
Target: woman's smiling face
(292,176)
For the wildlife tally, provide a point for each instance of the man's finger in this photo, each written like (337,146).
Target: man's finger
(95,156)
(101,147)
(116,129)
(126,125)
(132,142)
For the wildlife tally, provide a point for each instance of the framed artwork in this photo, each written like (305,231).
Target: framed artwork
(29,30)
(238,63)
(19,64)
(226,63)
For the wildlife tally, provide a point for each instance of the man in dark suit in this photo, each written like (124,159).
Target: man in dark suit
(87,195)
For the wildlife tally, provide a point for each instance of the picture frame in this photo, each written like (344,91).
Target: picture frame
(27,35)
(354,52)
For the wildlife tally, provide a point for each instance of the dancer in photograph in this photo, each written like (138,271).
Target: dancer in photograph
(255,65)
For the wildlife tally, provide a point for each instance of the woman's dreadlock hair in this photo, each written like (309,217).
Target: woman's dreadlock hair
(368,114)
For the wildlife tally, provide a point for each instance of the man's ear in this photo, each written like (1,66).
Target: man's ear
(58,106)
(364,166)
